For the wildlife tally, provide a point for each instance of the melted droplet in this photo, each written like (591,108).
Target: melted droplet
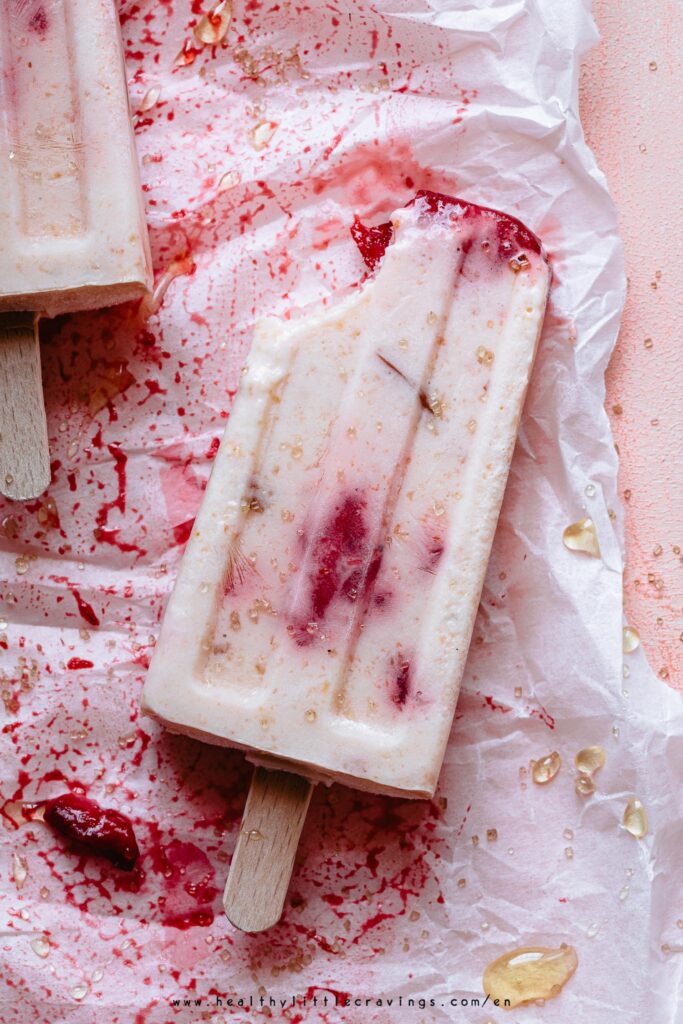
(590,490)
(149,100)
(592,930)
(41,947)
(79,992)
(546,768)
(582,536)
(311,715)
(623,894)
(635,818)
(584,785)
(229,180)
(19,869)
(631,639)
(21,565)
(590,760)
(491,835)
(254,835)
(213,26)
(568,834)
(530,973)
(262,133)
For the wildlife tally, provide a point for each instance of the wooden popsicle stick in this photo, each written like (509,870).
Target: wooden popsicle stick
(24,453)
(262,863)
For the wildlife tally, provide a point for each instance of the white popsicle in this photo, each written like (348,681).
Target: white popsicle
(72,228)
(325,602)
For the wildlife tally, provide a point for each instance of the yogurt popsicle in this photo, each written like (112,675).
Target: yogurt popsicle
(72,229)
(325,602)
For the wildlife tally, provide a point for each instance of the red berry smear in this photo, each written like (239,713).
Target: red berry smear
(105,832)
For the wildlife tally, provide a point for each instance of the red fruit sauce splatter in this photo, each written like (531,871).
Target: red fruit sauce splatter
(77,663)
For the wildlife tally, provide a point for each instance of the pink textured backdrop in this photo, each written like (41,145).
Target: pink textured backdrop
(631,89)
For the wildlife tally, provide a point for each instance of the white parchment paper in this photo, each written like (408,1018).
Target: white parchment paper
(255,157)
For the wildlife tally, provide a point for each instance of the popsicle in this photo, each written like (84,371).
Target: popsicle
(324,606)
(72,228)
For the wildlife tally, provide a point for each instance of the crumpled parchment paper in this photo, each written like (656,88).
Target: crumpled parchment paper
(255,157)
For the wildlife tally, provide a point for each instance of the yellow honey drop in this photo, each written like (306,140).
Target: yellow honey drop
(590,760)
(529,973)
(635,818)
(631,641)
(582,536)
(546,768)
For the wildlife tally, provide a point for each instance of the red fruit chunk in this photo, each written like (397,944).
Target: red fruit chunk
(401,687)
(513,237)
(342,538)
(105,832)
(372,242)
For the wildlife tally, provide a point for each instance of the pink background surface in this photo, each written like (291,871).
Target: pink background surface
(631,88)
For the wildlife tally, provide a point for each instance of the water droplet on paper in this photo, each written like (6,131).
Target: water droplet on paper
(590,491)
(79,992)
(635,818)
(593,930)
(311,715)
(631,639)
(652,65)
(582,536)
(529,974)
(41,947)
(623,894)
(21,565)
(590,760)
(546,768)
